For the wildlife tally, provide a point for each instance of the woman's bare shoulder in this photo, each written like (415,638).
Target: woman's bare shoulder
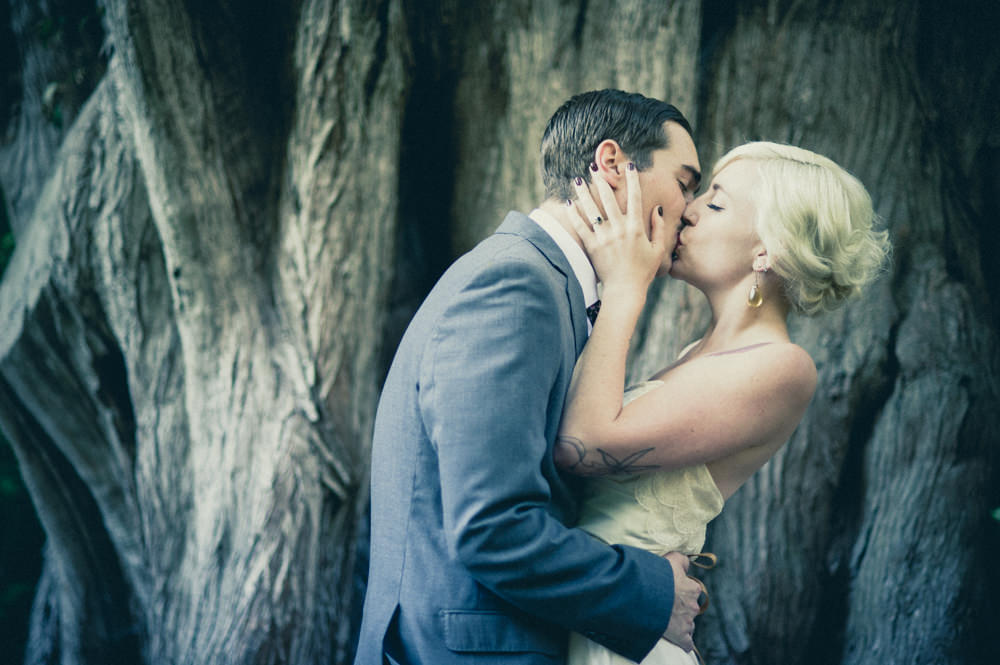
(791,369)
(782,370)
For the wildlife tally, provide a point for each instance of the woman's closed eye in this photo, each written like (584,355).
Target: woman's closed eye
(717,208)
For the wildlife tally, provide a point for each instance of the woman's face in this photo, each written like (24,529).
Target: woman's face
(718,243)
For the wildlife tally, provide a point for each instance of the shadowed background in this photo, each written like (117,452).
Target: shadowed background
(224,213)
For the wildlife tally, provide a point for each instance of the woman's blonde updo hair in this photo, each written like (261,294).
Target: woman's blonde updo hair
(816,222)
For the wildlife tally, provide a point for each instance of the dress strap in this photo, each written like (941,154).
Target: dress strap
(739,350)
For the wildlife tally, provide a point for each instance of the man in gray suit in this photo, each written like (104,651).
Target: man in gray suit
(472,556)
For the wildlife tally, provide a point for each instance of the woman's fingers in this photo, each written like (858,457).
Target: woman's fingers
(585,203)
(608,200)
(634,194)
(621,246)
(659,234)
(583,228)
(630,218)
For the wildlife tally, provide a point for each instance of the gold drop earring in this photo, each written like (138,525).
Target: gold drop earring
(755,298)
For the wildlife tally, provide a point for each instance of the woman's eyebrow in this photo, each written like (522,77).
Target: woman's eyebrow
(717,187)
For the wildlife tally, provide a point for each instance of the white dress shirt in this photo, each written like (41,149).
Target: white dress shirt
(577,258)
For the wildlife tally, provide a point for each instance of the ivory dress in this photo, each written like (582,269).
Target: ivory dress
(662,512)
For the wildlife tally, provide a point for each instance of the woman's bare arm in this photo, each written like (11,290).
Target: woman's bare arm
(626,260)
(707,409)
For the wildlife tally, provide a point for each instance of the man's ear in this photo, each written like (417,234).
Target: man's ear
(611,161)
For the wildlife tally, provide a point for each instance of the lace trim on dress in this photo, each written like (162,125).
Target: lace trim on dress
(678,504)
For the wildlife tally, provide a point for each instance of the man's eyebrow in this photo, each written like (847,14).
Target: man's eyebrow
(695,175)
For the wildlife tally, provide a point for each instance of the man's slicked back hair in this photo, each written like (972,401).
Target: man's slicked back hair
(575,130)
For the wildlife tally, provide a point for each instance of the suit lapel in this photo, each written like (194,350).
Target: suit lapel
(522,225)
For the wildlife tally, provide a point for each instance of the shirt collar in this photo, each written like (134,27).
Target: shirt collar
(577,258)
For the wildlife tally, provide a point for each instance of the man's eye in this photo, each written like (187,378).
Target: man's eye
(684,187)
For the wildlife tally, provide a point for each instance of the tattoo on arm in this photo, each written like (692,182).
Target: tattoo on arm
(571,455)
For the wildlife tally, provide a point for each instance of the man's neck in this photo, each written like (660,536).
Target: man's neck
(555,219)
(561,213)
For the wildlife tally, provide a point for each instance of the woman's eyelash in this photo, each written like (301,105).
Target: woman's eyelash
(712,206)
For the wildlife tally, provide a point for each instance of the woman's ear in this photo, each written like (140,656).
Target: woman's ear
(611,161)
(762,262)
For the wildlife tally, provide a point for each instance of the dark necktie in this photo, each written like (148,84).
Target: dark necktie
(592,312)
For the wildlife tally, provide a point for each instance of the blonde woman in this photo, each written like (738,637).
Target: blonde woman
(778,229)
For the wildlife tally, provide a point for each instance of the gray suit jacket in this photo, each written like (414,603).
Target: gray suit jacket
(471,558)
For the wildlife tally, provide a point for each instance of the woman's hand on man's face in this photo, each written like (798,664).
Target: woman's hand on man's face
(622,253)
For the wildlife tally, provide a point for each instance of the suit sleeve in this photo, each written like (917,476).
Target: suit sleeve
(486,383)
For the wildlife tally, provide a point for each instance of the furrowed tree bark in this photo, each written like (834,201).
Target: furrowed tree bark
(209,268)
(64,404)
(867,539)
(220,244)
(521,59)
(339,208)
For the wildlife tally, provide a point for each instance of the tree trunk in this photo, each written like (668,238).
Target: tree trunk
(191,365)
(226,226)
(867,538)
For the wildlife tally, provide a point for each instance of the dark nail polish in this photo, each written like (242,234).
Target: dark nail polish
(569,203)
(660,210)
(631,166)
(578,180)
(593,167)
